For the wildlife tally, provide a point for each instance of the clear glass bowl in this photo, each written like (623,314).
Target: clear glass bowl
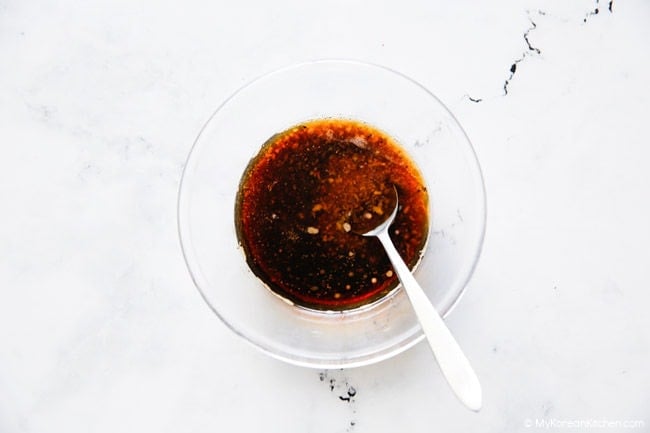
(234,134)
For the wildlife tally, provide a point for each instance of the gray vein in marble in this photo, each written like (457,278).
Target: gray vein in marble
(531,49)
(339,384)
(513,68)
(594,11)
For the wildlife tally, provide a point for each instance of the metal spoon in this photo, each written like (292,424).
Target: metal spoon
(453,363)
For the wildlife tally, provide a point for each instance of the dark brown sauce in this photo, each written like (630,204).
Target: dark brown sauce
(296,202)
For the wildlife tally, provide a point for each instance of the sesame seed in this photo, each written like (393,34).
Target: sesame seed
(347,227)
(389,273)
(312,230)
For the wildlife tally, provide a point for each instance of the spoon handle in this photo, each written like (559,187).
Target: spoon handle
(452,361)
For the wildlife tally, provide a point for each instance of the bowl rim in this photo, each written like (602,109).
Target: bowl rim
(342,362)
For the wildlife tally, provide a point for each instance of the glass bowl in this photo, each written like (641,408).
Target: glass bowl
(274,102)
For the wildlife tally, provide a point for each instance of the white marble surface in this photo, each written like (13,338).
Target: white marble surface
(101,329)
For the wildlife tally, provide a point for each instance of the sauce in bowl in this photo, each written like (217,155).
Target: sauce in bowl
(296,203)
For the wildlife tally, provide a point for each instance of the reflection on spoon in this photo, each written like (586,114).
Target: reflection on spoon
(451,359)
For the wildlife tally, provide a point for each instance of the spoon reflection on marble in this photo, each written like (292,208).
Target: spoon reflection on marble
(451,359)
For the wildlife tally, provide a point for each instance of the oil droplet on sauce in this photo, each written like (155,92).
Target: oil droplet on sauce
(296,206)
